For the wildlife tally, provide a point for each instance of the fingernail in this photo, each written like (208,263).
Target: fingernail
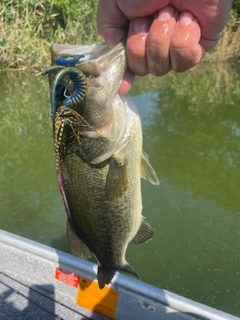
(165,15)
(186,18)
(141,25)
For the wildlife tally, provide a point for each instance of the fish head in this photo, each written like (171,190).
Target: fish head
(100,113)
(103,68)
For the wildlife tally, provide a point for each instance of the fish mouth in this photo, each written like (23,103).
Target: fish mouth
(96,57)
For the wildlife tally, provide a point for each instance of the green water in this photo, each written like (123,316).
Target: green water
(191,127)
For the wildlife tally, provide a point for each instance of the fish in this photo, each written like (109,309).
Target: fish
(99,156)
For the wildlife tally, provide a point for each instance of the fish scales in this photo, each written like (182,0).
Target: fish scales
(85,191)
(99,157)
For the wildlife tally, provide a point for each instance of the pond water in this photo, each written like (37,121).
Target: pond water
(191,128)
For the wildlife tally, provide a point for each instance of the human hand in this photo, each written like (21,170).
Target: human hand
(163,34)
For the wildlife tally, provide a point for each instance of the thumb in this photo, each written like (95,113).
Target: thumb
(111,21)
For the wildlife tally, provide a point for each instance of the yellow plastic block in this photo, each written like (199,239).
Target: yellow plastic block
(103,301)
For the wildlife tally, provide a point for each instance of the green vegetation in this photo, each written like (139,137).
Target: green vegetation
(29,27)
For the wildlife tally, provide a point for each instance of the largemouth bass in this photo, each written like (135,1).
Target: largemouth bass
(100,162)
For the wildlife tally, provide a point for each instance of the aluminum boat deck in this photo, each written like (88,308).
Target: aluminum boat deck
(40,283)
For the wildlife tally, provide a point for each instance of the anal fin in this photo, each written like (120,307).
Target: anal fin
(144,234)
(127,268)
(76,245)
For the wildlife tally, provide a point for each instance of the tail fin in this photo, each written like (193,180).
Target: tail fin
(105,276)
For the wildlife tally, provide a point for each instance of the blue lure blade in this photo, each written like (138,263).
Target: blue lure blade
(79,82)
(65,64)
(68,60)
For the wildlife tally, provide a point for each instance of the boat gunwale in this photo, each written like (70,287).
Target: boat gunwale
(120,282)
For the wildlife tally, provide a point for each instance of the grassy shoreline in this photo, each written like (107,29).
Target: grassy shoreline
(29,27)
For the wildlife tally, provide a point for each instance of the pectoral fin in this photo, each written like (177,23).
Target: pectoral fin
(144,234)
(147,171)
(77,246)
(117,178)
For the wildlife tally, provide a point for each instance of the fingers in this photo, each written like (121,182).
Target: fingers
(137,45)
(208,44)
(185,50)
(161,37)
(126,82)
(159,41)
(111,22)
(171,41)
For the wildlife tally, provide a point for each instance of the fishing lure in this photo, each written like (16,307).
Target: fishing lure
(66,119)
(67,123)
(65,65)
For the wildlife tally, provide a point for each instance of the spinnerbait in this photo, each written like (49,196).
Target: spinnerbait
(65,64)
